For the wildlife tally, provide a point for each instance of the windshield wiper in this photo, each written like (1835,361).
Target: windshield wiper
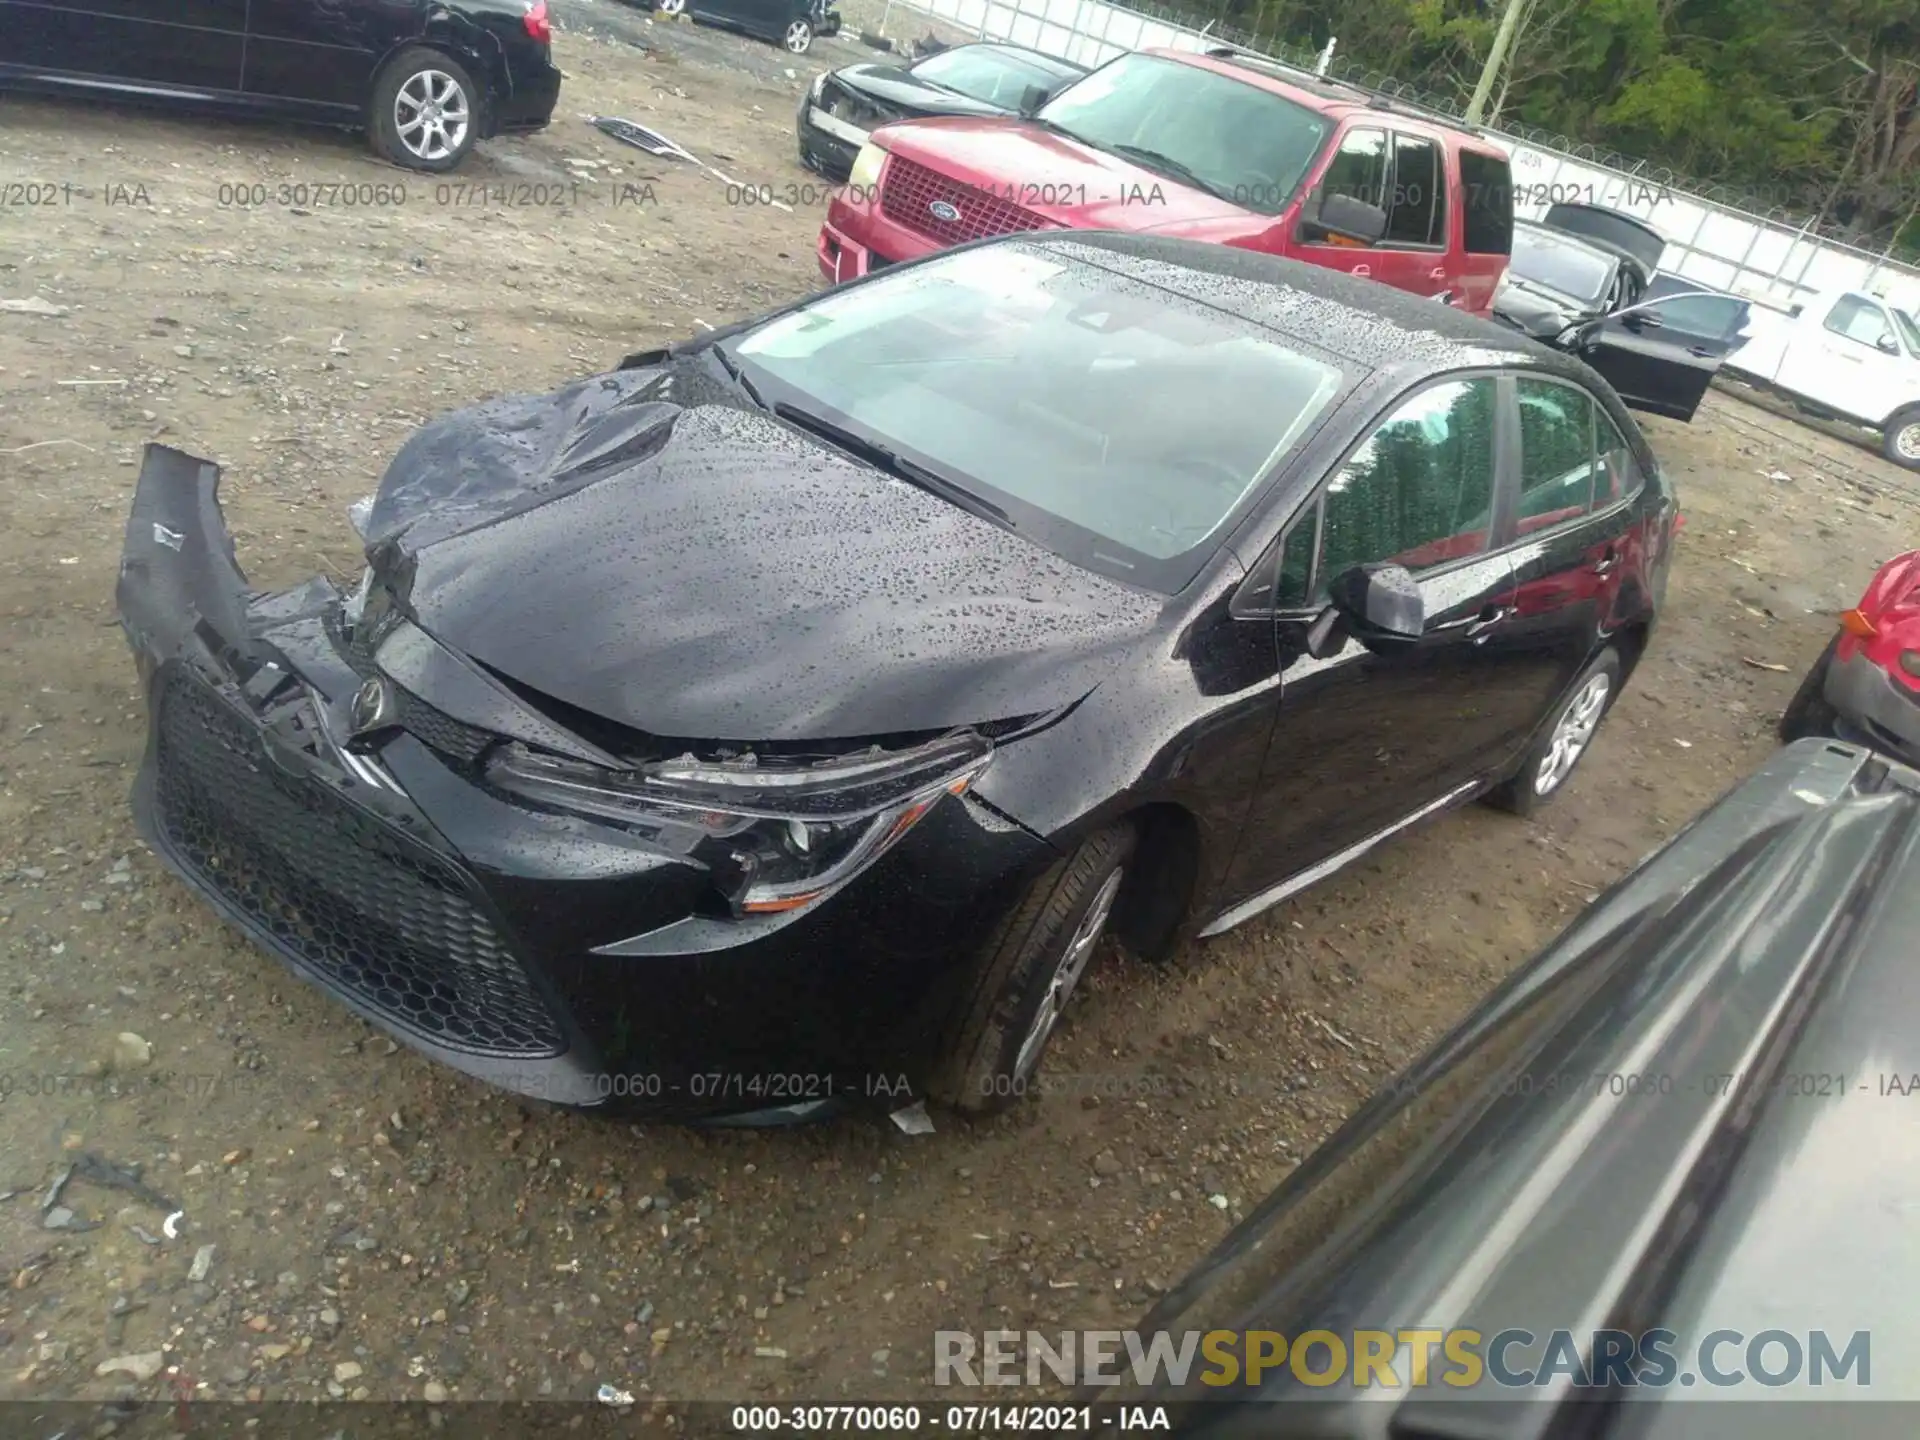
(882,458)
(1154,160)
(732,367)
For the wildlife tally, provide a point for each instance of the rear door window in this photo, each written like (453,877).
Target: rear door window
(1417,214)
(1556,453)
(1487,182)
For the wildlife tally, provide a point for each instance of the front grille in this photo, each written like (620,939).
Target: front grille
(909,190)
(439,731)
(385,920)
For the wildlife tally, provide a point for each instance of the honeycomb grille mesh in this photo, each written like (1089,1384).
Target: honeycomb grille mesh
(384,920)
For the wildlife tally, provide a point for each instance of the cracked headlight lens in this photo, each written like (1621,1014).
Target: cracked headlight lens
(775,837)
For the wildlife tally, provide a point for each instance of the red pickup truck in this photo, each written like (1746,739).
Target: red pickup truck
(1218,147)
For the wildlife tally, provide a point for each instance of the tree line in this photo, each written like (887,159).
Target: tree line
(1812,106)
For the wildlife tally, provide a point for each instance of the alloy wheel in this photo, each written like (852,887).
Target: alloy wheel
(430,115)
(671,7)
(1907,442)
(1066,975)
(1572,733)
(799,36)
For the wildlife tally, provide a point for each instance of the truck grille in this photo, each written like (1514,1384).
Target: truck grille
(909,190)
(377,916)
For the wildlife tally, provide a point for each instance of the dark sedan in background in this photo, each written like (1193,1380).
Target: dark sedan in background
(1658,339)
(842,106)
(1695,1112)
(423,80)
(782,717)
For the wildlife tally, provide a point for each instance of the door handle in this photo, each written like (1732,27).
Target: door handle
(1605,564)
(1476,626)
(1700,352)
(1365,272)
(1439,272)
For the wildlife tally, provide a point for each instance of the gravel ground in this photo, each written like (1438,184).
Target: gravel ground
(358,1223)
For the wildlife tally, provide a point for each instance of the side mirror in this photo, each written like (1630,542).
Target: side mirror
(1032,98)
(1889,344)
(1381,606)
(1345,217)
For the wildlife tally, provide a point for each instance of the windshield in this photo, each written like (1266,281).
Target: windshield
(1909,331)
(1560,265)
(991,76)
(1235,139)
(1116,423)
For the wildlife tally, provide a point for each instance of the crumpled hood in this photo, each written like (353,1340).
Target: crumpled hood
(646,547)
(898,86)
(1540,314)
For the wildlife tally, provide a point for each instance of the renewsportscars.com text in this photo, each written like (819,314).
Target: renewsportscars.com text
(1392,1359)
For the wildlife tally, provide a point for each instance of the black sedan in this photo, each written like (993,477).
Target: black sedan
(842,106)
(1588,295)
(423,80)
(783,716)
(1670,1162)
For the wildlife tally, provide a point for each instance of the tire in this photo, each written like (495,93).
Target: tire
(1543,773)
(799,38)
(415,76)
(1808,712)
(1026,975)
(671,7)
(1900,438)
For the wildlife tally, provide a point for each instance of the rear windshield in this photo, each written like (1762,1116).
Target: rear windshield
(1115,423)
(1560,265)
(1228,137)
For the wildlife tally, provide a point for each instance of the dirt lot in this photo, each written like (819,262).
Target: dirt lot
(379,1227)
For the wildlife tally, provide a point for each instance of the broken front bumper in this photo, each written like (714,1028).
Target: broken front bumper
(551,956)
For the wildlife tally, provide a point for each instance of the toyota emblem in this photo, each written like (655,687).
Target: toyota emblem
(941,210)
(374,708)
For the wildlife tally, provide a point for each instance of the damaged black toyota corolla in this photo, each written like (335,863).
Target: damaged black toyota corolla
(780,718)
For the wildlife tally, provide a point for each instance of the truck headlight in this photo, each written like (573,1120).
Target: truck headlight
(866,167)
(774,837)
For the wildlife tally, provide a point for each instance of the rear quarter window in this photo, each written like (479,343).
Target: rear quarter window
(1486,181)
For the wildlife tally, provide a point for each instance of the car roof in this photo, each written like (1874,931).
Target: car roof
(1333,98)
(1371,326)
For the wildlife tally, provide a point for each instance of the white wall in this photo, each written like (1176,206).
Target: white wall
(1710,243)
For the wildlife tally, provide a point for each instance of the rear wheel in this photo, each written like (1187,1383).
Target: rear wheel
(1808,712)
(671,7)
(799,36)
(1028,973)
(1561,745)
(1900,440)
(425,111)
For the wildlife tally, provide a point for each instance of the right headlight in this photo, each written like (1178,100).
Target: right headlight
(866,167)
(775,837)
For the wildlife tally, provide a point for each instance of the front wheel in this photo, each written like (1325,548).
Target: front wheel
(1029,972)
(1808,712)
(1562,744)
(425,111)
(799,37)
(671,7)
(1900,441)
